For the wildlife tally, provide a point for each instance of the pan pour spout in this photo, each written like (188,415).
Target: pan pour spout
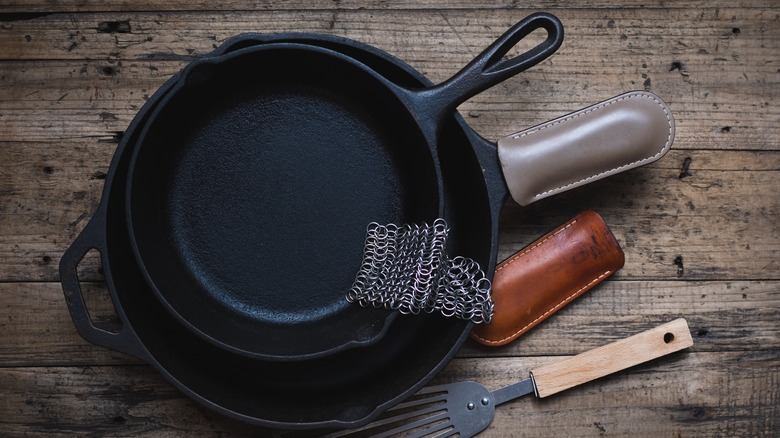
(406,268)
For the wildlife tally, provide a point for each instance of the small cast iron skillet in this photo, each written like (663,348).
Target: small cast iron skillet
(254,178)
(346,389)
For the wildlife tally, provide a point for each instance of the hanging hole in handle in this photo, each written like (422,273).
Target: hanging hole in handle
(94,292)
(668,337)
(523,46)
(502,58)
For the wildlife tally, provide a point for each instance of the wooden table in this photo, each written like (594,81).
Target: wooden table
(700,228)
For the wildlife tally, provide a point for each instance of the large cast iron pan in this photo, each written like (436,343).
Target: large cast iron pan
(346,389)
(256,175)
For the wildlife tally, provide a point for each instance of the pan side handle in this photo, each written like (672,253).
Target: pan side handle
(124,340)
(621,133)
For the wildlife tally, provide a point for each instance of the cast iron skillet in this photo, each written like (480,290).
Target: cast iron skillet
(347,389)
(255,176)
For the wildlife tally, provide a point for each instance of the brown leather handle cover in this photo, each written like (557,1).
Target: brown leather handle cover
(543,277)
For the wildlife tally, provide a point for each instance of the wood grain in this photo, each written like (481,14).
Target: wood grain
(593,364)
(717,222)
(723,316)
(621,50)
(11,6)
(700,228)
(689,393)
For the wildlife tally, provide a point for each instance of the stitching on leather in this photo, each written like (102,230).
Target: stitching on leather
(544,315)
(646,96)
(508,262)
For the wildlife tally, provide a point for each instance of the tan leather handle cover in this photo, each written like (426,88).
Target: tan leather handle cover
(591,365)
(604,139)
(545,276)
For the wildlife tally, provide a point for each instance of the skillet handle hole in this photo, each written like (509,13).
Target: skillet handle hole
(521,47)
(94,292)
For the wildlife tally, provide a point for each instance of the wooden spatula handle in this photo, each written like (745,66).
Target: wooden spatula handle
(599,362)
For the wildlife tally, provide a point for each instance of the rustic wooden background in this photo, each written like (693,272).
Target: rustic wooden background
(699,228)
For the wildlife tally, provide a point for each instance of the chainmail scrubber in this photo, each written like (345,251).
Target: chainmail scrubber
(406,268)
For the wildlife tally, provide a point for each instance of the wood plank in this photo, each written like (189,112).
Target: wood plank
(69,85)
(437,51)
(720,36)
(55,101)
(671,227)
(24,9)
(115,401)
(723,316)
(49,193)
(687,393)
(720,221)
(38,331)
(690,393)
(700,68)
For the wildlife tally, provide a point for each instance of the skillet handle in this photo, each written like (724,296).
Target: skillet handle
(489,68)
(124,340)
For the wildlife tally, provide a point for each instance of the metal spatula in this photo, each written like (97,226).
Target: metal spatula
(466,408)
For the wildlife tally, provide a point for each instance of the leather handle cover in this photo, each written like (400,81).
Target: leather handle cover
(621,133)
(545,276)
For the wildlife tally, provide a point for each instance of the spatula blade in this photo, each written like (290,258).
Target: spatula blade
(470,407)
(463,409)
